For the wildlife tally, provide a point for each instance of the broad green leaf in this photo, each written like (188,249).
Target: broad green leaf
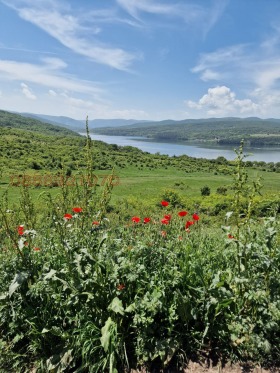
(106,334)
(116,306)
(17,281)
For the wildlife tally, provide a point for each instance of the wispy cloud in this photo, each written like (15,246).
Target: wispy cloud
(256,65)
(48,74)
(188,11)
(58,20)
(27,92)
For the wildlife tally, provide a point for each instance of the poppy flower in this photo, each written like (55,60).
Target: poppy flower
(146,220)
(120,286)
(164,203)
(189,223)
(77,209)
(68,216)
(195,217)
(165,221)
(168,217)
(20,230)
(37,249)
(182,213)
(163,233)
(230,236)
(135,219)
(95,223)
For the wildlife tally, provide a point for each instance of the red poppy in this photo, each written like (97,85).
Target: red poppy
(147,220)
(182,213)
(95,223)
(230,236)
(68,216)
(135,219)
(164,221)
(77,209)
(195,217)
(37,249)
(164,203)
(168,217)
(20,230)
(120,286)
(189,223)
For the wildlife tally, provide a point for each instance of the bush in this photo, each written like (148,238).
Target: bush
(205,191)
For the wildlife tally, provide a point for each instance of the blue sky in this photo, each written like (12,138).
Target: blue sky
(141,59)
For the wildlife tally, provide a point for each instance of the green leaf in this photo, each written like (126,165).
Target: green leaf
(116,306)
(50,274)
(130,308)
(3,296)
(106,333)
(17,281)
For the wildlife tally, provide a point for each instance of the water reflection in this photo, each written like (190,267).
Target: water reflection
(266,154)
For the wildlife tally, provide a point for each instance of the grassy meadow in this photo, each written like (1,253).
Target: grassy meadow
(114,260)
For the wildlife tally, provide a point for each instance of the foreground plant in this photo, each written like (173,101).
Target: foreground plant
(81,294)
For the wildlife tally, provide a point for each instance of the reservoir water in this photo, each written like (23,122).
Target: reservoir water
(265,154)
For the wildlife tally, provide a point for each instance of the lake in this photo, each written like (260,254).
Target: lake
(265,154)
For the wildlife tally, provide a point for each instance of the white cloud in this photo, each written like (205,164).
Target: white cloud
(210,75)
(221,101)
(52,93)
(68,29)
(27,92)
(220,58)
(44,75)
(269,73)
(206,17)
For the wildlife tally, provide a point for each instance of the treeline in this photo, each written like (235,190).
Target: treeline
(227,131)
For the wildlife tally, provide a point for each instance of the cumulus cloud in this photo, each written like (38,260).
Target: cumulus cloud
(27,92)
(222,101)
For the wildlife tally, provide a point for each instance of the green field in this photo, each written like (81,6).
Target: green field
(112,259)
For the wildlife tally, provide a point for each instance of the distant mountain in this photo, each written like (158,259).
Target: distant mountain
(79,124)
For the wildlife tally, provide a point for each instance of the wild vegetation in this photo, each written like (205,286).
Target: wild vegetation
(94,278)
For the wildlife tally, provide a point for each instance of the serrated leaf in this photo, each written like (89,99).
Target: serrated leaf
(17,282)
(50,274)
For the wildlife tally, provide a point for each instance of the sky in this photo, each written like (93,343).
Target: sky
(140,59)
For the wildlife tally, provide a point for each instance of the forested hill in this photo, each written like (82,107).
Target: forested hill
(254,131)
(11,120)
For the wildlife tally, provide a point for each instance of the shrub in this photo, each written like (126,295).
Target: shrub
(205,191)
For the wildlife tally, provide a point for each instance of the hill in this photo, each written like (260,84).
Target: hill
(79,125)
(16,121)
(254,131)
